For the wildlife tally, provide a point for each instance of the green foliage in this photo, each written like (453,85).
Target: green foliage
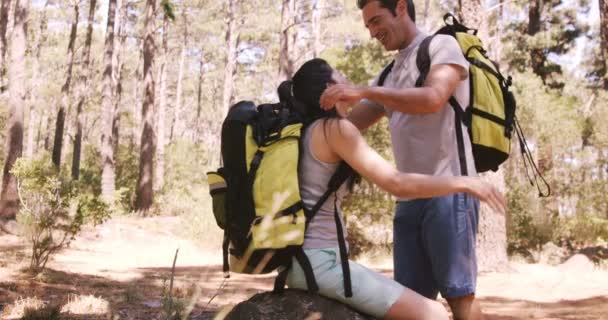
(53,208)
(168,9)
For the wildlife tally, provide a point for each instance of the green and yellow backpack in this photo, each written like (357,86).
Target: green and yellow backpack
(256,194)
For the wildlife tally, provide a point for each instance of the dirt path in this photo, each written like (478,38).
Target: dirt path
(122,269)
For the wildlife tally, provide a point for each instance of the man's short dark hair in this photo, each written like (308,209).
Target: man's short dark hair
(391,5)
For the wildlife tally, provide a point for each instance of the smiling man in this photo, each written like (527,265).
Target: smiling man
(434,239)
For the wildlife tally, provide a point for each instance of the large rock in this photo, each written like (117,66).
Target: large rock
(292,305)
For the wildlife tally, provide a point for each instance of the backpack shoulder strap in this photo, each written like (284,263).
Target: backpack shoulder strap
(423,60)
(385,73)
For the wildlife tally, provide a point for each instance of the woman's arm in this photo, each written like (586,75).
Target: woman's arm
(345,141)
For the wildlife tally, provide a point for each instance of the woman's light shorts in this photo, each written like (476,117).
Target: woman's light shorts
(373,293)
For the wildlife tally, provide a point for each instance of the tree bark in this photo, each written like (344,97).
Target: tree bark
(492,232)
(230,66)
(145,192)
(604,38)
(119,64)
(65,90)
(176,125)
(34,99)
(82,89)
(5,6)
(317,13)
(199,98)
(107,106)
(9,200)
(285,63)
(162,108)
(537,57)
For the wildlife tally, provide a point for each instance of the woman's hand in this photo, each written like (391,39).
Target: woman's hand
(487,193)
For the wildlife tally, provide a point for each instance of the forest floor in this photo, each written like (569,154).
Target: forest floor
(122,270)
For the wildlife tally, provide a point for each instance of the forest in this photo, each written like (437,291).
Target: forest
(113,110)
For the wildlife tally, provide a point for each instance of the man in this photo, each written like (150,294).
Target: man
(434,239)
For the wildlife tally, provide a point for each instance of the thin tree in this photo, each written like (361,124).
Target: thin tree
(5,6)
(9,200)
(162,103)
(81,92)
(119,71)
(176,125)
(66,89)
(231,45)
(199,93)
(144,191)
(492,233)
(604,38)
(34,98)
(107,106)
(285,63)
(317,13)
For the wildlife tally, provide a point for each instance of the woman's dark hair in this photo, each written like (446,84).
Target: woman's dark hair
(303,92)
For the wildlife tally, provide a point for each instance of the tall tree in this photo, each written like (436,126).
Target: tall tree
(5,6)
(107,106)
(162,105)
(9,200)
(120,44)
(176,124)
(317,13)
(604,38)
(231,44)
(492,232)
(66,89)
(81,92)
(199,93)
(144,191)
(34,98)
(285,62)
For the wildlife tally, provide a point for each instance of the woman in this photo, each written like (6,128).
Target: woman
(329,140)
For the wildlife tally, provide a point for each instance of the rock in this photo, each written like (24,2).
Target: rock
(551,254)
(290,305)
(578,262)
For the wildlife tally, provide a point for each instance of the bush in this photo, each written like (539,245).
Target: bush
(53,208)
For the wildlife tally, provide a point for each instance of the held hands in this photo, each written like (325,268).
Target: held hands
(487,193)
(342,96)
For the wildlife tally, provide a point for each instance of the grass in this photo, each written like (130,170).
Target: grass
(86,304)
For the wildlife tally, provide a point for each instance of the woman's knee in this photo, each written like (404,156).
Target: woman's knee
(414,306)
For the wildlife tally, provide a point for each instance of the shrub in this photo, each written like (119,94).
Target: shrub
(53,208)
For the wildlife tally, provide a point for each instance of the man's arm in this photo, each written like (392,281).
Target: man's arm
(439,86)
(365,114)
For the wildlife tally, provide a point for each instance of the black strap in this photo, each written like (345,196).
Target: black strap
(385,73)
(255,164)
(423,60)
(225,246)
(488,116)
(529,161)
(279,282)
(302,259)
(459,120)
(291,210)
(348,291)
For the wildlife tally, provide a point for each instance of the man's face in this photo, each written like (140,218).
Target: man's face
(384,26)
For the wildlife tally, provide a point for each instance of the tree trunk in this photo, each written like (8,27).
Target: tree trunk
(107,106)
(119,74)
(162,108)
(285,63)
(199,98)
(83,85)
(9,200)
(144,192)
(317,13)
(5,6)
(230,67)
(537,57)
(65,90)
(492,232)
(604,38)
(176,125)
(34,99)
(135,111)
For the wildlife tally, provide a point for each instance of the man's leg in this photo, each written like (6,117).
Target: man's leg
(466,307)
(449,235)
(412,266)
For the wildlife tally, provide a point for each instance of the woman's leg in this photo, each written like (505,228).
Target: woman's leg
(411,305)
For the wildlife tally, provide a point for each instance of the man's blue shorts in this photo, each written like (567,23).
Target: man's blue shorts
(434,245)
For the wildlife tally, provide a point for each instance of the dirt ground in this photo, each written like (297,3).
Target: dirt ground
(121,270)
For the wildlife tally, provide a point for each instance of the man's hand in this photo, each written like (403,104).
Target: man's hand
(342,95)
(487,193)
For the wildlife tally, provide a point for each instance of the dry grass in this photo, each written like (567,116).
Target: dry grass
(18,309)
(81,304)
